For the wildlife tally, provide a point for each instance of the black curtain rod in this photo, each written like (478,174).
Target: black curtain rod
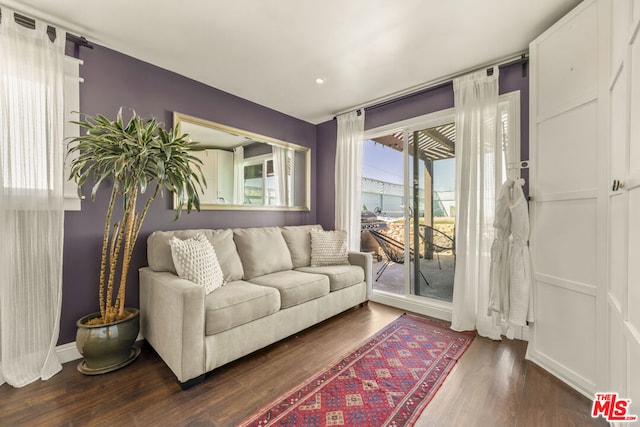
(27,22)
(524,60)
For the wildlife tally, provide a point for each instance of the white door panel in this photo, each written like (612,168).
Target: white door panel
(568,80)
(618,123)
(585,239)
(634,259)
(634,132)
(564,314)
(564,233)
(618,353)
(568,139)
(618,248)
(569,113)
(620,14)
(633,375)
(623,290)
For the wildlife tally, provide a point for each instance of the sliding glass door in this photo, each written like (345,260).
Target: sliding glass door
(383,211)
(409,211)
(431,166)
(405,224)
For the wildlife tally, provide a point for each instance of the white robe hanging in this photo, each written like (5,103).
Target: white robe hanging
(520,301)
(499,269)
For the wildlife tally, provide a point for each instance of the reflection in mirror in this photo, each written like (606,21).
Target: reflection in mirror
(244,170)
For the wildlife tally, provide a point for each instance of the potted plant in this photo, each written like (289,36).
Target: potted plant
(138,160)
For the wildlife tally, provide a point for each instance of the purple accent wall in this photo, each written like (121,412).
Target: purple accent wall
(113,80)
(439,98)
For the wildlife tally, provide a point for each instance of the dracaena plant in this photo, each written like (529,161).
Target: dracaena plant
(139,159)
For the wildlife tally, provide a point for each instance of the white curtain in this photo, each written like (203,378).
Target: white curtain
(349,176)
(478,175)
(281,171)
(31,200)
(238,176)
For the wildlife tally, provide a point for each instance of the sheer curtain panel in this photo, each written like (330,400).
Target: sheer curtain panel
(349,176)
(281,170)
(31,200)
(478,174)
(238,175)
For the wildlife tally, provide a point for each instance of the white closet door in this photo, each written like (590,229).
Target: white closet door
(568,117)
(623,291)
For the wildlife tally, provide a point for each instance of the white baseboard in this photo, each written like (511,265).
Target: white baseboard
(438,309)
(574,380)
(69,352)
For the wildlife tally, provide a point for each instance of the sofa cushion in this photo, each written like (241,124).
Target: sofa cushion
(238,303)
(329,248)
(159,251)
(262,250)
(225,247)
(295,287)
(340,276)
(299,242)
(195,260)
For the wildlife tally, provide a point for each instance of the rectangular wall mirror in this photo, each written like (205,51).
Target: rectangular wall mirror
(247,171)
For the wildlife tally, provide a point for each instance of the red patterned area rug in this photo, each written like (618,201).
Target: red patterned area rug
(388,381)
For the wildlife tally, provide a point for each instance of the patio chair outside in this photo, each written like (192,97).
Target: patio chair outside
(446,243)
(394,252)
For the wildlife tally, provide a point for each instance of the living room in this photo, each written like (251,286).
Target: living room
(113,78)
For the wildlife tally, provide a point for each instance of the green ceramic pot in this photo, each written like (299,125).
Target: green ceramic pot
(107,347)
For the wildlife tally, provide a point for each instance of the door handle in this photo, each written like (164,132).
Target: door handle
(617,185)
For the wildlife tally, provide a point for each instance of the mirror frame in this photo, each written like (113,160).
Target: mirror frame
(181,117)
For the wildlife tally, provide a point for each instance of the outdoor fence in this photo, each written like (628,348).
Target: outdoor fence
(387,199)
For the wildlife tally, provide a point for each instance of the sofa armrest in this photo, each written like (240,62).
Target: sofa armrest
(172,320)
(364,260)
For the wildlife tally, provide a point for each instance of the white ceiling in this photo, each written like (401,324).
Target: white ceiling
(271,51)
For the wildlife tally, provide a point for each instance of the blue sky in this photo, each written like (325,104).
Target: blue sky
(384,163)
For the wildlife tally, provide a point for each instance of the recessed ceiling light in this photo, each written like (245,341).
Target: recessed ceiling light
(320,80)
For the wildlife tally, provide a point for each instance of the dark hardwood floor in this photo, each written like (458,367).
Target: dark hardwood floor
(492,385)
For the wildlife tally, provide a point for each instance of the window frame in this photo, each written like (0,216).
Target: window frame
(72,82)
(263,160)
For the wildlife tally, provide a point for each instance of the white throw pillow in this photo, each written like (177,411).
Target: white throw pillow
(329,248)
(196,260)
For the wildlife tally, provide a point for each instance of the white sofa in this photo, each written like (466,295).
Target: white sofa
(271,292)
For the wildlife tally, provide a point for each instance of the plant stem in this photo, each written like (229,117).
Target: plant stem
(118,234)
(103,260)
(144,212)
(130,215)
